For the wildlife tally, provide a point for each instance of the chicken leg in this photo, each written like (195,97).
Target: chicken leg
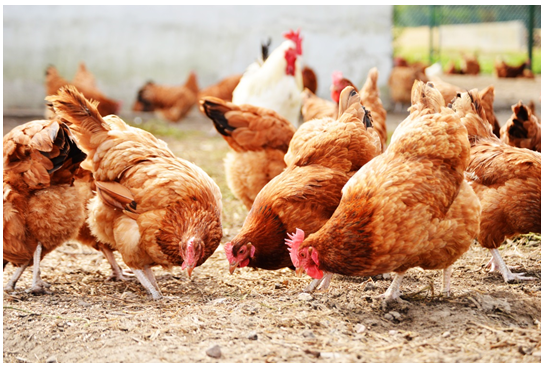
(38,285)
(446,281)
(117,273)
(497,264)
(149,284)
(10,286)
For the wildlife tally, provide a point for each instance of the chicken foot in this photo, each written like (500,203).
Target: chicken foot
(322,283)
(117,273)
(10,286)
(147,279)
(497,264)
(393,292)
(38,285)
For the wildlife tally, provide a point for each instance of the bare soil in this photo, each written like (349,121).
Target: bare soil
(263,316)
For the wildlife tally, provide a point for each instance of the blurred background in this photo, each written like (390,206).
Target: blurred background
(125,46)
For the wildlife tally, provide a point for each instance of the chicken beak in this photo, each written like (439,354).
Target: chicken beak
(300,271)
(233,266)
(190,270)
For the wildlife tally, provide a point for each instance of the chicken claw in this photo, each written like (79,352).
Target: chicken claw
(497,264)
(393,292)
(38,285)
(322,283)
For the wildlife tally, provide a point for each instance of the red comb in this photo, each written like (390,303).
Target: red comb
(293,242)
(296,37)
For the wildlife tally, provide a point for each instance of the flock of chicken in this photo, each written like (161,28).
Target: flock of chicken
(325,196)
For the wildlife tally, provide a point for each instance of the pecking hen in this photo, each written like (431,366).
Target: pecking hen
(152,207)
(307,192)
(42,206)
(408,207)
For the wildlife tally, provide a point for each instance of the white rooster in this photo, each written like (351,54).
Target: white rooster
(277,84)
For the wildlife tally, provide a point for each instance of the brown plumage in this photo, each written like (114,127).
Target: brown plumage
(83,83)
(307,192)
(259,138)
(370,99)
(487,96)
(42,207)
(448,90)
(84,79)
(408,207)
(152,207)
(401,82)
(470,65)
(309,79)
(505,178)
(503,70)
(223,89)
(314,107)
(171,103)
(522,128)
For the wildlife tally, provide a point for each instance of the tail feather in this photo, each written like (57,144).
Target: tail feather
(216,109)
(80,114)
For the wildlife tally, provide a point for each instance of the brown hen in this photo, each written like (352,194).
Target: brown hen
(522,128)
(152,207)
(408,207)
(505,178)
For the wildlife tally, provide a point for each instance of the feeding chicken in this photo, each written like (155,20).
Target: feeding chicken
(171,103)
(504,70)
(259,138)
(277,83)
(522,128)
(151,206)
(307,192)
(84,82)
(42,207)
(507,181)
(408,207)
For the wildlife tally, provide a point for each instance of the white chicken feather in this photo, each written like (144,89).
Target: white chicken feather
(277,84)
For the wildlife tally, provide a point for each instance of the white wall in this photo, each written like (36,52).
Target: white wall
(124,46)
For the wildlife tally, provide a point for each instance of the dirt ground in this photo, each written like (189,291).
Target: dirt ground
(263,316)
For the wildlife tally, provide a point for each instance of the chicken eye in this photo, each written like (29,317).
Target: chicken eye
(241,251)
(302,255)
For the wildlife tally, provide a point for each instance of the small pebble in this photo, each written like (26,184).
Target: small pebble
(308,334)
(52,359)
(360,328)
(253,335)
(305,296)
(396,315)
(393,332)
(370,286)
(446,334)
(214,352)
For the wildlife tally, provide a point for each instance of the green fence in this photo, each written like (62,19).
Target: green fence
(432,33)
